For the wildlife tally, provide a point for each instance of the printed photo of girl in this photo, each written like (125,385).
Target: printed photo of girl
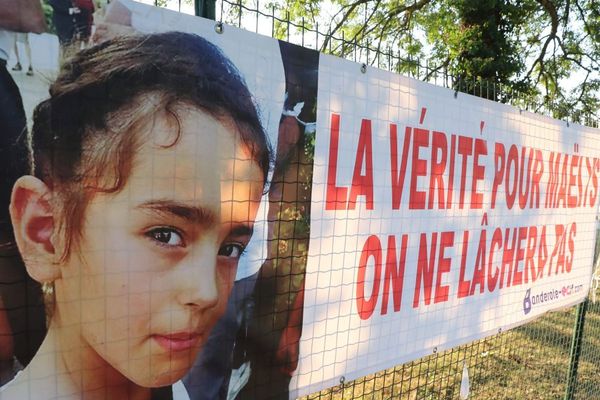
(148,164)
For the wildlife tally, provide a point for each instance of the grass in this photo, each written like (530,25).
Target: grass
(529,362)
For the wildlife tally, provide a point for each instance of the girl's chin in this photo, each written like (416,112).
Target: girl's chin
(166,365)
(172,372)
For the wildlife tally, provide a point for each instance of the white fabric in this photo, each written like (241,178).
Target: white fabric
(6,43)
(179,392)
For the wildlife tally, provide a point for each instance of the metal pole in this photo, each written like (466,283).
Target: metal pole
(576,349)
(205,8)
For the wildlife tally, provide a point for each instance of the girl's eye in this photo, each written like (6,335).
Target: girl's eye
(166,237)
(232,250)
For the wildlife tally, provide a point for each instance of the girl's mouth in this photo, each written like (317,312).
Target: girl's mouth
(179,341)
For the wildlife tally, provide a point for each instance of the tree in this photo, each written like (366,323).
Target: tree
(546,53)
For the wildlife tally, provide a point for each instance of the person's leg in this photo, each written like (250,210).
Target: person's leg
(17,66)
(28,53)
(64,28)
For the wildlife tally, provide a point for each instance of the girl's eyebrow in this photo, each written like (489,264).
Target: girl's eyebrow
(196,215)
(241,230)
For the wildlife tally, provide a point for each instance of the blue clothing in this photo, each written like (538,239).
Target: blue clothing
(208,379)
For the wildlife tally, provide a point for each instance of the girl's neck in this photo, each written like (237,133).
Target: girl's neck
(79,372)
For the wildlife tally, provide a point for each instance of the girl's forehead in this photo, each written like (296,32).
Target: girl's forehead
(192,157)
(192,126)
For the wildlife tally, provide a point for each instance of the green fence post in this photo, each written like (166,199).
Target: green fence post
(576,349)
(205,8)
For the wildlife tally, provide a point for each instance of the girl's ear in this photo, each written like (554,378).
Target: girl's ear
(33,223)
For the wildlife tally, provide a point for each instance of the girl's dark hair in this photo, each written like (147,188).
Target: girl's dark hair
(83,136)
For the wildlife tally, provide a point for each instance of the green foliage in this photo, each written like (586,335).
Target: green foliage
(486,28)
(546,52)
(47,9)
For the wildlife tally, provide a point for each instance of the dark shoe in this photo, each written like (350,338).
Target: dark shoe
(29,71)
(17,67)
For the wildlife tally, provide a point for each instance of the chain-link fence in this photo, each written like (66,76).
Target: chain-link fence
(267,19)
(556,356)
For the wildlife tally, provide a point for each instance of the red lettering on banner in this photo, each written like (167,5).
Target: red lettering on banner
(562,188)
(494,270)
(538,171)
(451,172)
(566,187)
(517,170)
(511,256)
(419,168)
(425,269)
(362,185)
(571,244)
(580,182)
(499,160)
(335,196)
(398,175)
(519,174)
(465,149)
(479,271)
(559,250)
(542,253)
(525,177)
(529,255)
(572,199)
(589,169)
(478,173)
(394,275)
(439,144)
(444,263)
(594,191)
(512,163)
(508,257)
(552,188)
(464,285)
(519,256)
(372,248)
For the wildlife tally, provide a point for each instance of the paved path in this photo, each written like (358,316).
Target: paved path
(44,52)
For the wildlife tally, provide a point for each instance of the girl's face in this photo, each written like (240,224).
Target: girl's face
(156,262)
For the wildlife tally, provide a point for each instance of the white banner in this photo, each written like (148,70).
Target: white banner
(437,218)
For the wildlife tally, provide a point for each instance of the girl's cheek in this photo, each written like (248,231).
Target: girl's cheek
(140,310)
(139,282)
(226,279)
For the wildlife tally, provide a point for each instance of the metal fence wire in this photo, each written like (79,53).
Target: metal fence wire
(557,356)
(269,20)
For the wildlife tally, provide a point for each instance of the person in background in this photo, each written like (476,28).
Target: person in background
(23,38)
(83,19)
(63,21)
(13,123)
(73,20)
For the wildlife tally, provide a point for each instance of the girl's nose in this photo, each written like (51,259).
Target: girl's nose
(198,278)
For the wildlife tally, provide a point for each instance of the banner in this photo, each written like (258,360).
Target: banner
(437,218)
(192,211)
